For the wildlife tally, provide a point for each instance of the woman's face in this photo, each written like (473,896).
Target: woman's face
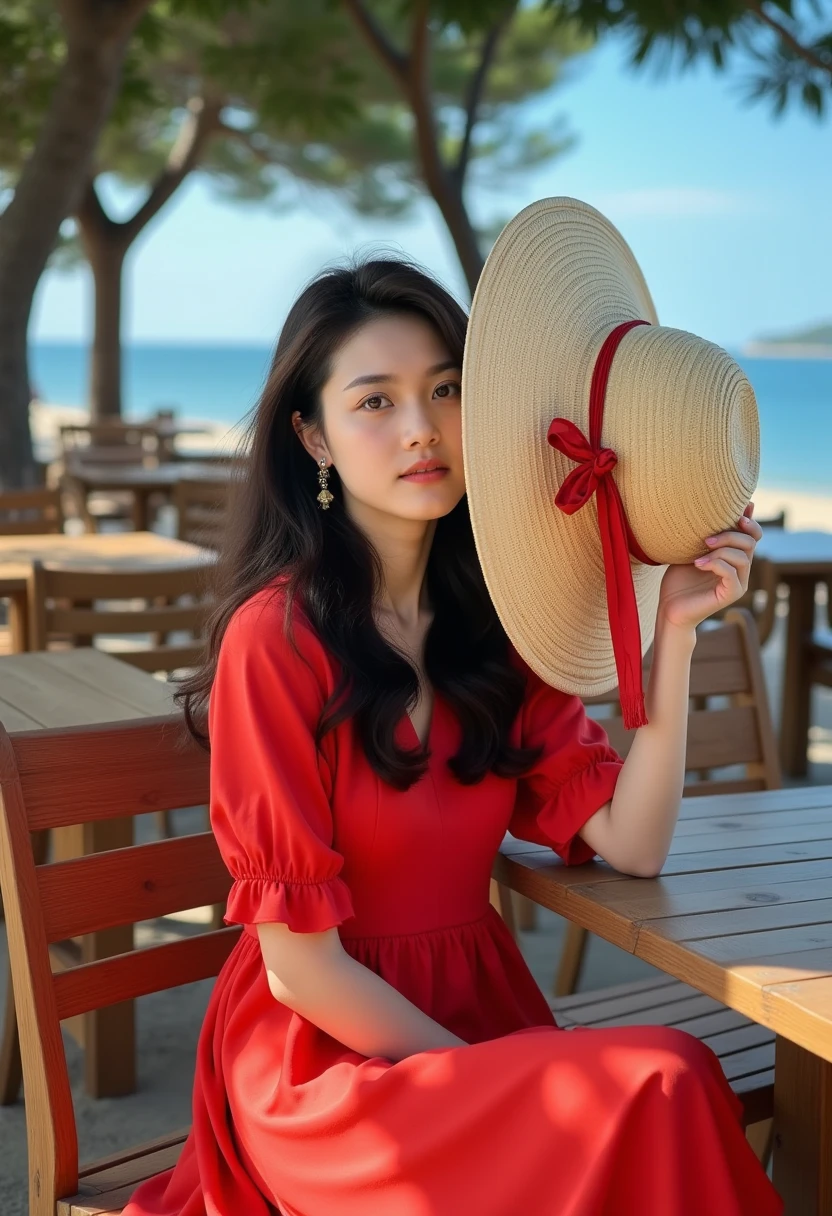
(392,400)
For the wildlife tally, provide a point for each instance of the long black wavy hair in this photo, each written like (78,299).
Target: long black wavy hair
(331,569)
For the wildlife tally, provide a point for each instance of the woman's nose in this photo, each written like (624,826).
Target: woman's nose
(420,426)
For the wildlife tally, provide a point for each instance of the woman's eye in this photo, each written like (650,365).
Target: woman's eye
(452,386)
(373,403)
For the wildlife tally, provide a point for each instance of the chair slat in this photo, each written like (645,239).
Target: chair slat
(716,737)
(128,885)
(188,618)
(122,977)
(164,658)
(93,773)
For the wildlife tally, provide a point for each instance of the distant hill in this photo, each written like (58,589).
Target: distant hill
(815,342)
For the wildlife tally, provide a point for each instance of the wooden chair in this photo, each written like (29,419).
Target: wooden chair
(726,664)
(201,511)
(106,443)
(817,658)
(60,777)
(29,512)
(84,604)
(66,610)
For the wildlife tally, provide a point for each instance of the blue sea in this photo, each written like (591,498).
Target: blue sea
(222,383)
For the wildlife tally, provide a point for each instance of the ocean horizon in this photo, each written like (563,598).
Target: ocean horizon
(221,383)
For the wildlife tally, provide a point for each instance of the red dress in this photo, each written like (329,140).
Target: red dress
(529,1119)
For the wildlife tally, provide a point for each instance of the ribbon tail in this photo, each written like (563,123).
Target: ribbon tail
(621,604)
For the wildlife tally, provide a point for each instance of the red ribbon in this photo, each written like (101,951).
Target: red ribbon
(593,476)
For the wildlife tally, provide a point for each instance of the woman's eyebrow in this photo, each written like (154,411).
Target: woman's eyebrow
(386,377)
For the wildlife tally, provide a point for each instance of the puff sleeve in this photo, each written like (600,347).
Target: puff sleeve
(270,786)
(574,776)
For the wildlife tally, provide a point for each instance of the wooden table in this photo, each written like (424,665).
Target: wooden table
(143,482)
(743,912)
(92,551)
(48,690)
(801,560)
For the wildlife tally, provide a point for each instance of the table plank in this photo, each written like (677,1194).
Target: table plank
(80,688)
(647,899)
(737,920)
(120,681)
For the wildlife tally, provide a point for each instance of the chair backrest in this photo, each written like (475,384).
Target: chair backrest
(27,512)
(107,443)
(56,778)
(202,511)
(157,603)
(738,730)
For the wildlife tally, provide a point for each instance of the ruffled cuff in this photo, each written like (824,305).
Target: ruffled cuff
(306,907)
(563,815)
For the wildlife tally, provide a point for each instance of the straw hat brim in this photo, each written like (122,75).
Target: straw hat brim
(558,280)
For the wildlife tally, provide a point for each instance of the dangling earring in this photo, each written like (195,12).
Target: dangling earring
(324,498)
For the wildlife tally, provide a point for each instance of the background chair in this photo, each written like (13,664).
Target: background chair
(56,778)
(153,619)
(29,512)
(26,513)
(105,443)
(202,509)
(729,728)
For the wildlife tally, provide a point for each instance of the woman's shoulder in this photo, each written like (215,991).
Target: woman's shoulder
(273,624)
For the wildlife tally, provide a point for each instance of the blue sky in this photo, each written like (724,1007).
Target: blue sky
(726,208)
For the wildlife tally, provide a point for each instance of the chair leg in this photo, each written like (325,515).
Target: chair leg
(11,1068)
(163,824)
(571,960)
(501,898)
(526,912)
(761,1138)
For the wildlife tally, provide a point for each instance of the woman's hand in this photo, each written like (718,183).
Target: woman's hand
(690,594)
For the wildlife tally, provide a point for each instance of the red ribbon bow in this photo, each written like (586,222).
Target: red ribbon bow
(592,476)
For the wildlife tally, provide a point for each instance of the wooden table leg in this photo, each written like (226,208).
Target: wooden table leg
(802,1130)
(141,504)
(18,622)
(796,698)
(108,1035)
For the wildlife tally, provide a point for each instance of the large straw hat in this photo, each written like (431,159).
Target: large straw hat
(677,412)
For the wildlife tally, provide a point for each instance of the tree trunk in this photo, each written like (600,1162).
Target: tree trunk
(105,362)
(47,191)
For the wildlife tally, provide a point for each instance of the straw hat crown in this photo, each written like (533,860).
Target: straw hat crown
(680,431)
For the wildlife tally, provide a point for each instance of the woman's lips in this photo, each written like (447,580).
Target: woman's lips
(433,475)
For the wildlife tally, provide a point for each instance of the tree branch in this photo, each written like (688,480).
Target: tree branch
(787,37)
(477,87)
(375,37)
(93,220)
(202,121)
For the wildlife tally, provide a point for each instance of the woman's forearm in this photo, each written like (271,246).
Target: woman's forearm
(314,976)
(633,832)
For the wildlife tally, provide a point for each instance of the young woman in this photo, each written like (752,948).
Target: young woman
(375,1045)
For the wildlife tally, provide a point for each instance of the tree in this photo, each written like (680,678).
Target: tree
(96,34)
(787,47)
(458,64)
(208,96)
(239,100)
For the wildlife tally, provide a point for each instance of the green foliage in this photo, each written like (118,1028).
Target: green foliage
(782,50)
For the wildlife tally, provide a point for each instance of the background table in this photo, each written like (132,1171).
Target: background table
(142,482)
(801,560)
(91,551)
(45,691)
(743,912)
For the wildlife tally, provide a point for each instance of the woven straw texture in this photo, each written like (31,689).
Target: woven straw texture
(680,414)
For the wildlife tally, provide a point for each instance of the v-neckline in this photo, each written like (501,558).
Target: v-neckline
(432,722)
